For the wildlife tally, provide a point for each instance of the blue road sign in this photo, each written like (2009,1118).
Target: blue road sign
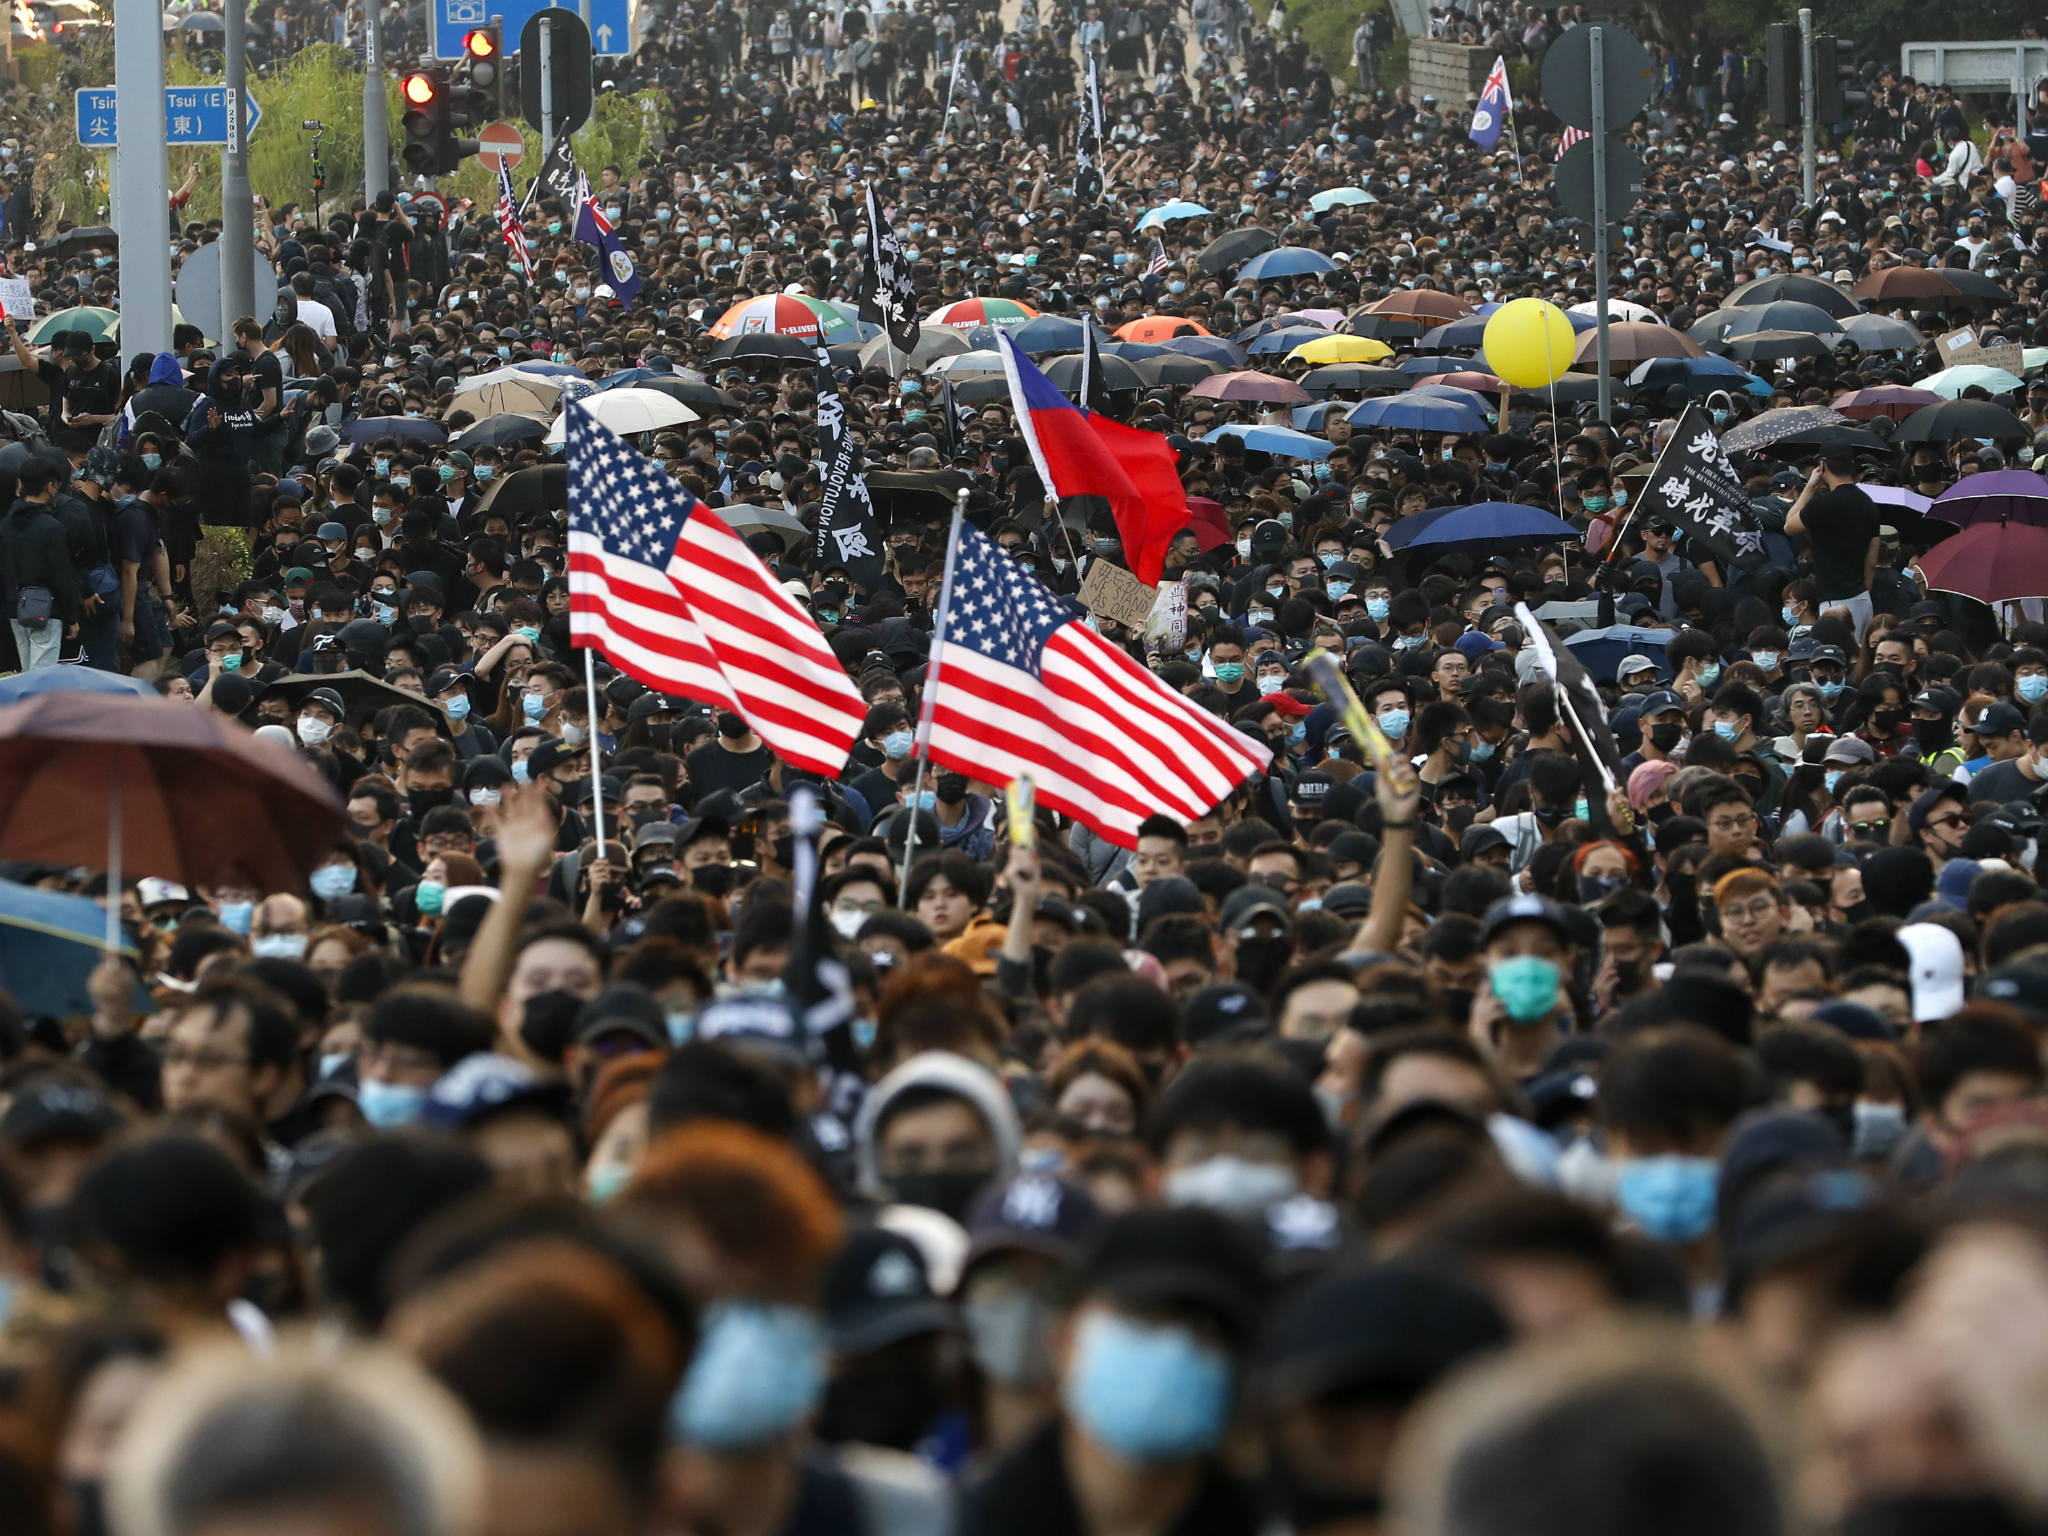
(194,115)
(610,23)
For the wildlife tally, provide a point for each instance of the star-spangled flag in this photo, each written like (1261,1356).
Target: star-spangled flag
(890,296)
(509,223)
(1495,103)
(1568,138)
(594,229)
(1019,685)
(849,534)
(664,587)
(1157,266)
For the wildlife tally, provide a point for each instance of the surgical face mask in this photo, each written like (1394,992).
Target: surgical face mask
(332,1062)
(1710,674)
(2032,687)
(389,1105)
(847,921)
(278,946)
(1270,685)
(758,1373)
(1009,1335)
(152,461)
(1768,660)
(1147,1392)
(1829,691)
(1831,777)
(1229,671)
(1244,549)
(1337,589)
(1527,986)
(331,882)
(1410,642)
(1879,1128)
(1594,504)
(533,705)
(1727,730)
(1233,1185)
(235,916)
(1259,615)
(428,896)
(313,731)
(446,473)
(1790,615)
(1377,608)
(1395,723)
(1670,1198)
(574,735)
(1481,751)
(457,708)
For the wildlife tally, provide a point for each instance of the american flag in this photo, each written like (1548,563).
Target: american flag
(1019,685)
(661,585)
(508,222)
(1567,139)
(1158,265)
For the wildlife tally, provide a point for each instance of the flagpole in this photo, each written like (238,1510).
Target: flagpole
(596,775)
(931,690)
(1515,136)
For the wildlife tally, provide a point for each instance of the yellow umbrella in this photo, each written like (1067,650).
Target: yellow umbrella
(1341,349)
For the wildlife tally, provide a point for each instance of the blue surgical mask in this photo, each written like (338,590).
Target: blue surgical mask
(457,708)
(1482,750)
(1697,249)
(758,1373)
(1395,723)
(389,1105)
(1829,691)
(446,472)
(1527,986)
(1147,1392)
(331,882)
(387,614)
(682,1025)
(897,744)
(926,799)
(1670,1198)
(1594,504)
(383,465)
(1710,674)
(521,774)
(1378,608)
(533,705)
(1268,686)
(1831,777)
(1297,733)
(235,916)
(1768,660)
(1789,614)
(152,461)
(608,1181)
(2031,687)
(485,471)
(332,1062)
(1338,590)
(1727,730)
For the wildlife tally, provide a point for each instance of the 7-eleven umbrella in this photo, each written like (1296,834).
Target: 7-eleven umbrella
(982,312)
(1992,562)
(1160,328)
(784,314)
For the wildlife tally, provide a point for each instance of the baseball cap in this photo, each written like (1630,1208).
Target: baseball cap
(1387,1329)
(49,1110)
(153,892)
(1478,840)
(1657,702)
(1032,1213)
(1829,653)
(1935,969)
(623,1009)
(484,1085)
(1632,665)
(1850,750)
(1510,910)
(1250,901)
(2021,986)
(1222,1010)
(1999,720)
(878,1292)
(1923,806)
(1179,1255)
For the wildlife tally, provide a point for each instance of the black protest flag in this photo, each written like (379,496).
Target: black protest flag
(1088,141)
(558,177)
(1093,394)
(1696,490)
(889,297)
(1583,714)
(817,984)
(848,534)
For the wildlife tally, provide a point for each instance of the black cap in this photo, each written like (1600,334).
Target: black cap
(1510,910)
(1223,1010)
(1180,1256)
(1032,1213)
(626,1009)
(50,1110)
(878,1292)
(1390,1330)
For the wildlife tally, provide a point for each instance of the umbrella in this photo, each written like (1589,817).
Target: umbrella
(537,488)
(1340,197)
(1891,400)
(1249,385)
(1470,331)
(933,343)
(1341,376)
(1952,419)
(1174,371)
(146,784)
(1574,389)
(784,314)
(1259,329)
(689,391)
(1065,373)
(501,431)
(84,238)
(1160,328)
(1600,651)
(1384,327)
(1285,261)
(1798,287)
(627,411)
(1821,439)
(1337,349)
(1951,382)
(17,686)
(1906,285)
(367,429)
(980,387)
(548,369)
(355,686)
(1329,319)
(762,345)
(1898,496)
(50,944)
(203,21)
(1206,518)
(1312,418)
(1049,333)
(1976,287)
(1007,312)
(1281,440)
(744,517)
(1500,523)
(1696,375)
(2013,495)
(1632,342)
(1994,562)
(1471,381)
(1424,306)
(918,496)
(1437,389)
(966,365)
(509,391)
(1775,426)
(1179,208)
(1413,413)
(1233,249)
(1214,348)
(1422,367)
(1778,315)
(100,324)
(1617,309)
(1882,333)
(1758,346)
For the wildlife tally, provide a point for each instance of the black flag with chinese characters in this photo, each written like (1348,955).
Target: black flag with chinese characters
(1696,490)
(1088,141)
(890,297)
(558,178)
(849,534)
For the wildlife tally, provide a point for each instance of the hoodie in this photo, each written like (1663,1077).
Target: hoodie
(950,1074)
(225,451)
(165,395)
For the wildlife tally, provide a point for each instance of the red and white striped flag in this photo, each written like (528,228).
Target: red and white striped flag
(1019,685)
(1158,265)
(1567,139)
(509,223)
(661,585)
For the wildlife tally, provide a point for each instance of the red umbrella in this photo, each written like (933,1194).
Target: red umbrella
(1893,400)
(173,790)
(1992,562)
(1206,518)
(1249,384)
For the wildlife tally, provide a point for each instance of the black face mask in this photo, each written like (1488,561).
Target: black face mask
(947,1191)
(1665,737)
(1308,1507)
(548,1026)
(712,879)
(1549,815)
(784,849)
(1628,975)
(1260,961)
(1459,817)
(1932,735)
(731,725)
(421,801)
(883,1401)
(1886,721)
(951,788)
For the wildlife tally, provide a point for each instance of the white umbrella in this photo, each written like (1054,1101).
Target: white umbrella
(627,411)
(510,392)
(1618,309)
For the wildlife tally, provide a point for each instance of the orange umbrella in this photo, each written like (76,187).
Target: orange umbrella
(1160,328)
(1425,306)
(1635,341)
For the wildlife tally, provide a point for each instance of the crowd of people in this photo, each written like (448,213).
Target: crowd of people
(1476,1150)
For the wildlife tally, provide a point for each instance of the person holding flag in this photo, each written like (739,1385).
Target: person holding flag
(511,225)
(594,229)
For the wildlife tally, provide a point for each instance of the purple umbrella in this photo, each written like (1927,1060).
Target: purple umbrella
(2015,495)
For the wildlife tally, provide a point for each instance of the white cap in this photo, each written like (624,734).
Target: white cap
(152,892)
(1937,970)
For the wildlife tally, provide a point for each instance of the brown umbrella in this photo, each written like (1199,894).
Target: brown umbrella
(1899,285)
(1893,400)
(1635,341)
(173,790)
(1249,384)
(1423,305)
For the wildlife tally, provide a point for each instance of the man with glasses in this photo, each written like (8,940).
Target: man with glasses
(1724,805)
(1939,821)
(1752,908)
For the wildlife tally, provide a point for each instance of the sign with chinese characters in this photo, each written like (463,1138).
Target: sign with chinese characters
(194,116)
(1697,491)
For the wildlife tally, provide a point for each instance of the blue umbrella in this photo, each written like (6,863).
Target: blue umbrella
(1179,208)
(1258,328)
(1135,351)
(1311,417)
(1418,413)
(1600,650)
(1286,339)
(1281,440)
(1214,348)
(556,370)
(1700,375)
(1340,197)
(1287,261)
(1049,333)
(1466,332)
(1498,523)
(26,685)
(1453,393)
(49,945)
(1422,367)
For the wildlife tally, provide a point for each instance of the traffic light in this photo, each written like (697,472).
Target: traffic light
(426,122)
(484,49)
(1837,84)
(1781,73)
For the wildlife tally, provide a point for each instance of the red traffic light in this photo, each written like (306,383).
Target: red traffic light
(420,89)
(480,44)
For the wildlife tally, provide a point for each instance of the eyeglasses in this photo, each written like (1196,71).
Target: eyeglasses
(205,1058)
(1739,823)
(1954,819)
(1878,828)
(1756,910)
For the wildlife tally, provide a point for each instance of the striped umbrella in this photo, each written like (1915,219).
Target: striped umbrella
(785,314)
(982,312)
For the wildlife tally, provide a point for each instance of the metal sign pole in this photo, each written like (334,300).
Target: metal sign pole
(547,82)
(1807,101)
(1603,350)
(376,122)
(237,202)
(145,177)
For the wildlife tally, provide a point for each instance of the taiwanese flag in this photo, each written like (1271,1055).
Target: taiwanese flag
(1077,453)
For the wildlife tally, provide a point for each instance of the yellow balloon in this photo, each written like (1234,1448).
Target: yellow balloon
(1529,343)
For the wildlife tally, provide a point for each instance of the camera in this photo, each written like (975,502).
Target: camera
(312,125)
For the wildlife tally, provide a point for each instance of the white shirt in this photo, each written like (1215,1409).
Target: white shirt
(317,315)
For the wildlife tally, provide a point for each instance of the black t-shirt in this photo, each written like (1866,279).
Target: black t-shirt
(713,768)
(2002,782)
(1839,527)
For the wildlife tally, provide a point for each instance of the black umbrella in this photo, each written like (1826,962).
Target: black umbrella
(1229,251)
(692,392)
(914,496)
(1384,327)
(1953,419)
(1065,373)
(765,345)
(1572,389)
(984,386)
(1776,344)
(367,429)
(1171,370)
(354,688)
(1363,377)
(1822,439)
(84,239)
(1800,289)
(503,430)
(203,21)
(537,488)
(1976,287)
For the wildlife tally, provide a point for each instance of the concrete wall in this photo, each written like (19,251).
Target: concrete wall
(1451,72)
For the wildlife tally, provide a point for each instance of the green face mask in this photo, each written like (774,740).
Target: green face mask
(1527,986)
(1229,671)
